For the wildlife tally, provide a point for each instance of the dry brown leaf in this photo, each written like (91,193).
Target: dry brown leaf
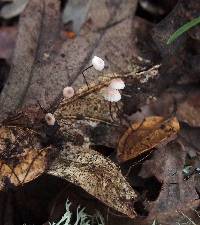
(88,104)
(15,137)
(21,158)
(143,136)
(45,55)
(176,193)
(188,110)
(77,164)
(88,114)
(29,166)
(97,175)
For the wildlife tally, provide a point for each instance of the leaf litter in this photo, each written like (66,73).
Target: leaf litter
(47,62)
(76,165)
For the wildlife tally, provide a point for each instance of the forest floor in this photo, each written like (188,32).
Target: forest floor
(136,161)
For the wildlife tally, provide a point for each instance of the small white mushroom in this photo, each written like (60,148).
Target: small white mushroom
(111,95)
(50,119)
(117,84)
(68,92)
(98,63)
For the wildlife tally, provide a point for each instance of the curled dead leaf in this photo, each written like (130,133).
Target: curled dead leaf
(143,136)
(97,175)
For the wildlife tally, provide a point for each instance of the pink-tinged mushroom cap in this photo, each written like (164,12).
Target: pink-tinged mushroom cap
(117,83)
(98,63)
(68,92)
(50,119)
(111,95)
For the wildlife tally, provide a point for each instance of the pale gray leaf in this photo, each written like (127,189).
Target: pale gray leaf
(76,11)
(13,9)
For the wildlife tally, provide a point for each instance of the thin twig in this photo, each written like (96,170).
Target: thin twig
(41,107)
(184,215)
(138,162)
(110,110)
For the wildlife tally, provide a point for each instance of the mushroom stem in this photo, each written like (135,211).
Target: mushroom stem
(41,107)
(84,75)
(110,110)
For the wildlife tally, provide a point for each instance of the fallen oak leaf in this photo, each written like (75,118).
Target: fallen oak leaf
(97,175)
(143,136)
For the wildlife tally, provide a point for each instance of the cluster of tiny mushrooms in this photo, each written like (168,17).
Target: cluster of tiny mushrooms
(110,93)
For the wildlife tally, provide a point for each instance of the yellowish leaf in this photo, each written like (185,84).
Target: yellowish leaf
(21,156)
(143,136)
